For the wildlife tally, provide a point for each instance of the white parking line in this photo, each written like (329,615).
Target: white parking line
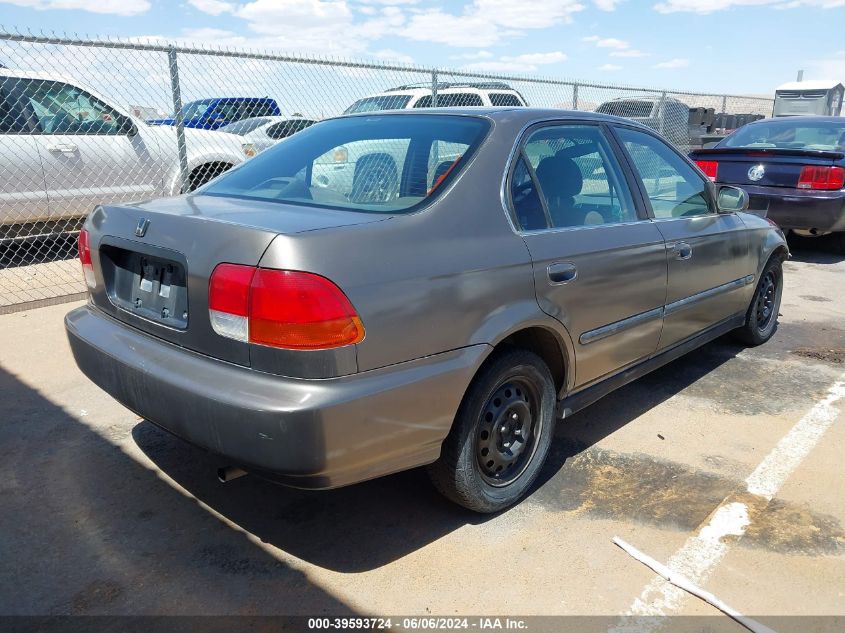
(701,553)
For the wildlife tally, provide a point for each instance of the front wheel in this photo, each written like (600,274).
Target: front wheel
(762,316)
(501,434)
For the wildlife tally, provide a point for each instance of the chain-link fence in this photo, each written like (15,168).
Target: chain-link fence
(85,121)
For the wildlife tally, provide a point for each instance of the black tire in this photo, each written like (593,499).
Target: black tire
(517,383)
(762,316)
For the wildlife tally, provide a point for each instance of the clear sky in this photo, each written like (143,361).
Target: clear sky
(737,46)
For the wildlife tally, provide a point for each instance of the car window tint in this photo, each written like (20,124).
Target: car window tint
(525,200)
(504,99)
(671,184)
(246,126)
(789,133)
(284,129)
(450,100)
(265,108)
(13,118)
(579,177)
(64,109)
(228,110)
(279,130)
(375,163)
(381,102)
(628,108)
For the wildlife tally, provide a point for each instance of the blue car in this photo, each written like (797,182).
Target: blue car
(793,169)
(215,112)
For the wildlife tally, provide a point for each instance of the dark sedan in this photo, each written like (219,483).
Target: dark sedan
(793,169)
(487,272)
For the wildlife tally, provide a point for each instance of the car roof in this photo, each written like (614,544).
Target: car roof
(422,91)
(802,118)
(521,113)
(812,84)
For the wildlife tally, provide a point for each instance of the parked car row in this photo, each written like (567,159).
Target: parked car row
(68,148)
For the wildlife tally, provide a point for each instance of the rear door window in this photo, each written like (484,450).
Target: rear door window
(577,176)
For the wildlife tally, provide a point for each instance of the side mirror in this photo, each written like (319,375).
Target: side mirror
(732,199)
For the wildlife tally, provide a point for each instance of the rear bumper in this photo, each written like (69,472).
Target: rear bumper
(307,433)
(796,209)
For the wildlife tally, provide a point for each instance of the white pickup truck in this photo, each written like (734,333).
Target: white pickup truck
(65,149)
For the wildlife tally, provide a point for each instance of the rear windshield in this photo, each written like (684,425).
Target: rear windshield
(791,133)
(628,109)
(377,164)
(382,102)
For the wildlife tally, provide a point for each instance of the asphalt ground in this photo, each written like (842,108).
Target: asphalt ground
(727,464)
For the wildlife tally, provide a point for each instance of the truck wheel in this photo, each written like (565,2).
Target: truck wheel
(762,316)
(501,434)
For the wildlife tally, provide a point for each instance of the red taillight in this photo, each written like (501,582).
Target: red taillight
(281,308)
(821,177)
(228,300)
(709,167)
(84,248)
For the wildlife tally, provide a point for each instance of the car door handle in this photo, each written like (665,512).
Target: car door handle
(682,250)
(64,148)
(561,272)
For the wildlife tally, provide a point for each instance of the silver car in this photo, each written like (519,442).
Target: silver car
(64,148)
(442,312)
(260,132)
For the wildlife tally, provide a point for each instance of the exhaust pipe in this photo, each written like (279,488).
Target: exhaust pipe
(229,473)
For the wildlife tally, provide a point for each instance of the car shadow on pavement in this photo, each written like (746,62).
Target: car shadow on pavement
(87,530)
(350,529)
(365,526)
(591,425)
(814,250)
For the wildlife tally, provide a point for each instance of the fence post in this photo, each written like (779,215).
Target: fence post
(575,96)
(180,119)
(724,103)
(662,113)
(434,88)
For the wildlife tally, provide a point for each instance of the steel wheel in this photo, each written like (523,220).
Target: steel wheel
(766,300)
(507,431)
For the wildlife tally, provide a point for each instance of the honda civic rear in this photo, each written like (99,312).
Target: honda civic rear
(227,318)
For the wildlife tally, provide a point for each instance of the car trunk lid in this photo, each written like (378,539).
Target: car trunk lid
(767,167)
(153,261)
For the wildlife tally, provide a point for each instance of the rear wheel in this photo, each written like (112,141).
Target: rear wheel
(762,316)
(501,434)
(839,243)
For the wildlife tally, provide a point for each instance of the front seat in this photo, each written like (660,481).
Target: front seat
(561,180)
